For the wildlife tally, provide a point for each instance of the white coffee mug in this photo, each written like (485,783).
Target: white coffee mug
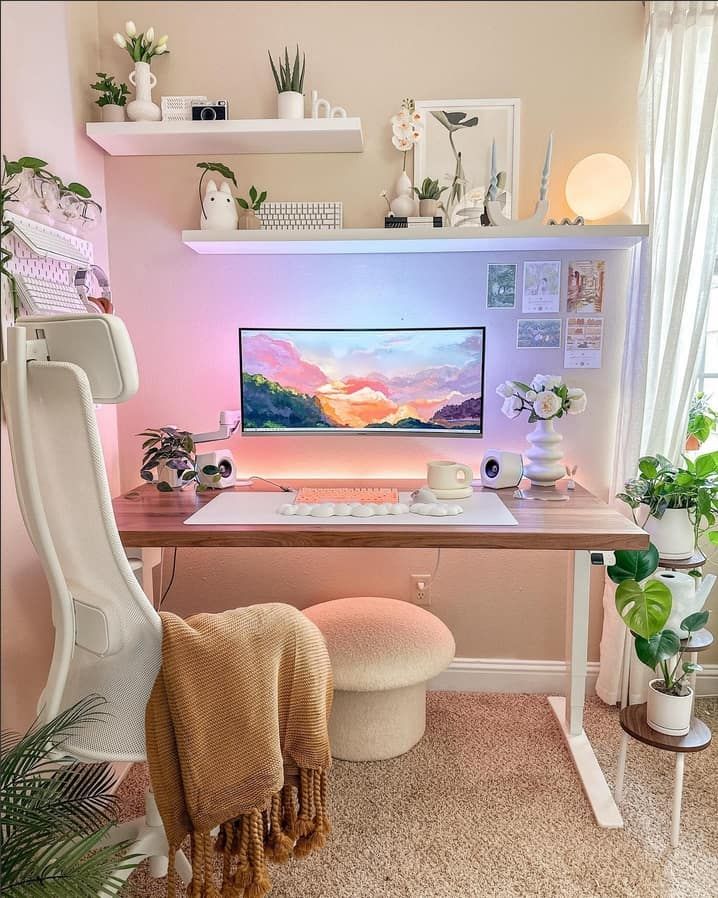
(448,475)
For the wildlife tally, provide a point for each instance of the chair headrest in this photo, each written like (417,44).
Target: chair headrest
(99,344)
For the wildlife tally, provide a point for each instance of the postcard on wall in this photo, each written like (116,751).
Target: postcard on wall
(542,287)
(500,286)
(585,286)
(538,333)
(584,342)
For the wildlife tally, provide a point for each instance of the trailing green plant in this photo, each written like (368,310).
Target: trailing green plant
(176,450)
(288,77)
(429,190)
(702,421)
(255,199)
(661,485)
(56,814)
(645,606)
(221,169)
(112,93)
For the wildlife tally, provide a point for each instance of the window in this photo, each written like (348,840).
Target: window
(708,380)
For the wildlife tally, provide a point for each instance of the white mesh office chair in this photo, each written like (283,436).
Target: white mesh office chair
(107,633)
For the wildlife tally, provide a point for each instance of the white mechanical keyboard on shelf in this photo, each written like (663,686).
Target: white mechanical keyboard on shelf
(300,216)
(40,296)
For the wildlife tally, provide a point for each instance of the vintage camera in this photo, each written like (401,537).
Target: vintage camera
(210,110)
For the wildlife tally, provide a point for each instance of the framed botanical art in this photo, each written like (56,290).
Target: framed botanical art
(456,149)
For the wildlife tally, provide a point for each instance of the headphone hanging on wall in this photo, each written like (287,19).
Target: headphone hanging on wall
(83,278)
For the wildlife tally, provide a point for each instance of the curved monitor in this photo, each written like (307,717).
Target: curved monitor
(426,381)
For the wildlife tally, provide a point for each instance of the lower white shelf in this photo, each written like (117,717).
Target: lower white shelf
(414,240)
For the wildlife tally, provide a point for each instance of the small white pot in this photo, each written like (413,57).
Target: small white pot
(169,475)
(113,113)
(669,714)
(428,207)
(290,104)
(672,534)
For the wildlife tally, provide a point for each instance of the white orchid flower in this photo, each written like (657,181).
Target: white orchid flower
(415,135)
(545,382)
(161,49)
(401,130)
(511,407)
(130,29)
(403,144)
(401,119)
(119,40)
(546,404)
(417,118)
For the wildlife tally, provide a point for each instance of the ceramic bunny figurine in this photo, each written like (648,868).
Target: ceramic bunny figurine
(220,209)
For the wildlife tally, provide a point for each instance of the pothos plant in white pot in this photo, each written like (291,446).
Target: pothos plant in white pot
(546,398)
(675,504)
(645,605)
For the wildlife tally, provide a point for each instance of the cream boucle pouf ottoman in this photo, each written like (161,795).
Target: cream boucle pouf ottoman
(383,652)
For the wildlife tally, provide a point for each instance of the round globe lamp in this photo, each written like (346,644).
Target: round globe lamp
(598,186)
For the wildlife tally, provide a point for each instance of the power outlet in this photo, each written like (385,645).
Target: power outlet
(421,589)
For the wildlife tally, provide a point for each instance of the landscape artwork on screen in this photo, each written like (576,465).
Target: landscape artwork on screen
(363,380)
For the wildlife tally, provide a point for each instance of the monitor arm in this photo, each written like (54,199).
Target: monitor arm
(228,423)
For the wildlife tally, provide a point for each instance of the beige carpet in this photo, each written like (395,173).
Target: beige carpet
(488,806)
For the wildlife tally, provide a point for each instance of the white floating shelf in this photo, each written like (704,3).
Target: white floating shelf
(327,135)
(414,240)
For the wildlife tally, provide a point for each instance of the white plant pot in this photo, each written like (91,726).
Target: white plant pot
(672,534)
(669,714)
(142,109)
(545,456)
(428,207)
(290,104)
(168,475)
(113,113)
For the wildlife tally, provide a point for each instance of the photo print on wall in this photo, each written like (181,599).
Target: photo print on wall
(500,286)
(538,333)
(584,342)
(542,287)
(585,286)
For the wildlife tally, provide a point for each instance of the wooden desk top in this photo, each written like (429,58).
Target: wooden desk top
(147,518)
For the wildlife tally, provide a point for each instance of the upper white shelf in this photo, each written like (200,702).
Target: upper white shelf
(326,135)
(415,240)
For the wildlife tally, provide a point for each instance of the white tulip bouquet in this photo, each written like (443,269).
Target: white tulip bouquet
(141,47)
(407,127)
(547,396)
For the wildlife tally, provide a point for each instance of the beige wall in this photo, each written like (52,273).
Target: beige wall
(49,53)
(183,310)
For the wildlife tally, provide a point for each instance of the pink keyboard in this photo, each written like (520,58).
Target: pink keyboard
(364,494)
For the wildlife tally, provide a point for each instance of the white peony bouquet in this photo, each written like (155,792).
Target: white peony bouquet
(547,396)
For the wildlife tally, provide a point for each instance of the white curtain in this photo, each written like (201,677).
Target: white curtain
(668,304)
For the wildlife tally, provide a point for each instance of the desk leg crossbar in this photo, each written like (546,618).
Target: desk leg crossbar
(569,708)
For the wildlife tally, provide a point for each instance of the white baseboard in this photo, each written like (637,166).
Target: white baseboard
(541,677)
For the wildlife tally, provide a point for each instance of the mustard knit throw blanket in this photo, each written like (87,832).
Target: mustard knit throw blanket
(236,730)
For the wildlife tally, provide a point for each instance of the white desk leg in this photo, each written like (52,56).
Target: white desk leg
(569,709)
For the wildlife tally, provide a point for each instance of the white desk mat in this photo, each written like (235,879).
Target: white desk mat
(483,508)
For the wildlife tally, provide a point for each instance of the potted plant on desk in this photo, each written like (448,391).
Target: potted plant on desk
(680,503)
(645,606)
(171,455)
(113,97)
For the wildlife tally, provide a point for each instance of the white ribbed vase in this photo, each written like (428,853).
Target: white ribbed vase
(545,456)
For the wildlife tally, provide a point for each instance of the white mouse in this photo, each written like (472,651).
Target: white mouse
(219,208)
(424,495)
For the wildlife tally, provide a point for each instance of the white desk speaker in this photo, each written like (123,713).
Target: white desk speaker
(227,470)
(500,469)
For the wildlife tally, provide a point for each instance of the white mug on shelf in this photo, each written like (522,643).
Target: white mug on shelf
(448,475)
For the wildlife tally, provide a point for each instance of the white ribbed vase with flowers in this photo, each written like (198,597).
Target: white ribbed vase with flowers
(545,398)
(142,48)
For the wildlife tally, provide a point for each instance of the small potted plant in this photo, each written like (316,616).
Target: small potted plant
(678,504)
(645,606)
(429,195)
(113,97)
(290,85)
(248,220)
(702,421)
(171,455)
